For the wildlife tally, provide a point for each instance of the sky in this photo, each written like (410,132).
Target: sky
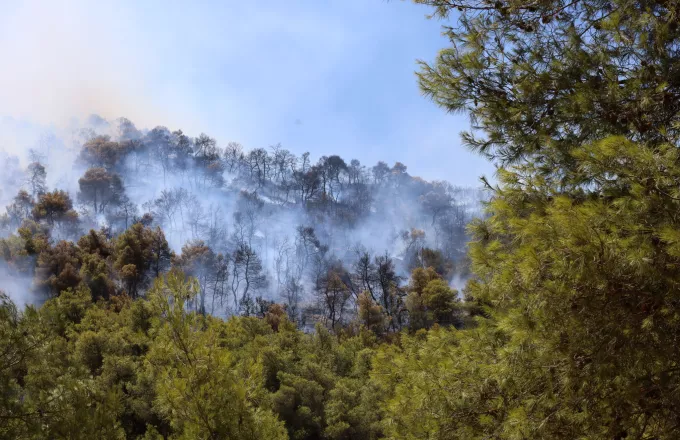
(324,76)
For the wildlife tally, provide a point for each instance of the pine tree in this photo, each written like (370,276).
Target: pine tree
(542,78)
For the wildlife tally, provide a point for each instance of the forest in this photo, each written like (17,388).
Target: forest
(158,285)
(251,226)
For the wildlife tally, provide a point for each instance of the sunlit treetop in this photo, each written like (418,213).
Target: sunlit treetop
(539,78)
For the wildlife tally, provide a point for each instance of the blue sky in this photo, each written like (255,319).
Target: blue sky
(329,77)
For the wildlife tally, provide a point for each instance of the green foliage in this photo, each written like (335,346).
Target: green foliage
(580,292)
(153,368)
(540,79)
(430,300)
(58,268)
(440,384)
(569,328)
(576,268)
(140,254)
(578,338)
(18,250)
(197,390)
(370,314)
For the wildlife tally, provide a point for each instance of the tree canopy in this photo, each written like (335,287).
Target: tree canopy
(567,327)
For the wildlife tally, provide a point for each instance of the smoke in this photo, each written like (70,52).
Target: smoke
(62,61)
(18,287)
(458,283)
(229,205)
(211,68)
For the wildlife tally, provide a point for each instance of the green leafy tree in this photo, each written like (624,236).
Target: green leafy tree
(542,78)
(575,267)
(581,305)
(96,269)
(141,253)
(444,384)
(58,268)
(370,314)
(198,391)
(430,300)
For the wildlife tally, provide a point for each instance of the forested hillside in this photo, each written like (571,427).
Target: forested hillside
(252,226)
(203,291)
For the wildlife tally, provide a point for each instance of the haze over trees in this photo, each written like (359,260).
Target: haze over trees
(202,291)
(251,226)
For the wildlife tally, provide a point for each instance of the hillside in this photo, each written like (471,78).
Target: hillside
(252,226)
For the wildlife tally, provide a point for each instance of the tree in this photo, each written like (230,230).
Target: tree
(100,189)
(577,292)
(390,295)
(259,165)
(122,217)
(161,255)
(380,172)
(49,393)
(575,267)
(293,293)
(96,272)
(427,257)
(541,79)
(307,184)
(210,270)
(58,267)
(430,300)
(248,276)
(370,314)
(288,277)
(182,148)
(355,172)
(413,239)
(159,143)
(283,164)
(334,295)
(20,208)
(52,206)
(330,170)
(141,253)
(248,215)
(233,156)
(56,208)
(127,130)
(446,386)
(168,204)
(198,390)
(19,251)
(365,273)
(205,148)
(437,202)
(36,178)
(398,175)
(15,349)
(101,151)
(307,246)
